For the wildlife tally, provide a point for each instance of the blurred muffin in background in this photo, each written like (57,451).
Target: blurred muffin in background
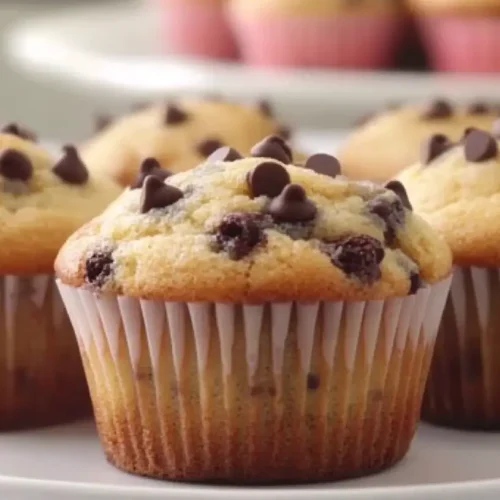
(43,199)
(460,35)
(360,34)
(179,135)
(384,143)
(196,27)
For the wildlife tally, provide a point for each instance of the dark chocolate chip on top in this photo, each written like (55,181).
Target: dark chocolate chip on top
(156,194)
(438,108)
(323,164)
(70,167)
(478,108)
(292,205)
(174,115)
(273,147)
(102,122)
(226,154)
(22,132)
(358,256)
(433,147)
(206,147)
(398,188)
(267,179)
(150,166)
(239,233)
(391,212)
(266,108)
(480,146)
(14,165)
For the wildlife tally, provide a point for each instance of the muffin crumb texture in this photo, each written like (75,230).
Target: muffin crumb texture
(43,199)
(257,229)
(456,187)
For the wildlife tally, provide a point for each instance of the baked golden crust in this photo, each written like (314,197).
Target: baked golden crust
(461,199)
(39,213)
(118,150)
(170,253)
(455,7)
(391,140)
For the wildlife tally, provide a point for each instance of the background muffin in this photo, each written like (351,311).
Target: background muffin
(180,135)
(361,34)
(264,322)
(386,142)
(456,187)
(196,27)
(460,35)
(43,200)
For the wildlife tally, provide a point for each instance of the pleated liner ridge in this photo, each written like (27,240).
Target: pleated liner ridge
(280,392)
(464,383)
(42,381)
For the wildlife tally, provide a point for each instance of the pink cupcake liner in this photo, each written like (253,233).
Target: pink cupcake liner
(348,42)
(196,28)
(460,44)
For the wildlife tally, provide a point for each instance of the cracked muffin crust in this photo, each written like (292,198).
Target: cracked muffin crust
(180,135)
(257,229)
(43,199)
(387,142)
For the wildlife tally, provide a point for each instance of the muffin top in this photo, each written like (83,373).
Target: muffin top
(179,135)
(43,200)
(257,229)
(389,141)
(318,7)
(456,187)
(473,7)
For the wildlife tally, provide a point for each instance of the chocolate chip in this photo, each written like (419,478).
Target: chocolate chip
(157,194)
(323,164)
(102,122)
(312,381)
(15,165)
(150,166)
(70,167)
(239,233)
(267,179)
(17,130)
(391,212)
(478,108)
(98,267)
(174,115)
(358,256)
(208,146)
(285,132)
(480,146)
(433,147)
(273,147)
(224,154)
(415,283)
(266,108)
(400,190)
(438,108)
(292,205)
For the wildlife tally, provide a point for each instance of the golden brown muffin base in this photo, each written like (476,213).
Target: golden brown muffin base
(265,430)
(41,377)
(463,389)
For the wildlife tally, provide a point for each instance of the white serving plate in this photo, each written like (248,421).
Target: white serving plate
(66,463)
(115,48)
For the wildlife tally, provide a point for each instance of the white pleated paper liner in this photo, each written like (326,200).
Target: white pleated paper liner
(41,377)
(464,383)
(278,392)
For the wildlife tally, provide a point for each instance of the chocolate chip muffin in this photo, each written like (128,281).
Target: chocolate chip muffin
(456,187)
(251,321)
(385,143)
(179,135)
(43,200)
